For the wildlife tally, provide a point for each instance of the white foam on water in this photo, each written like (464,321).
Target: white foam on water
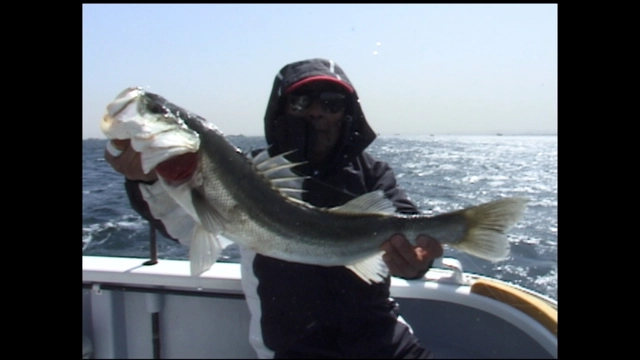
(548,284)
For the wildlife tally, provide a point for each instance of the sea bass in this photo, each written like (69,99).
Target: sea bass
(256,202)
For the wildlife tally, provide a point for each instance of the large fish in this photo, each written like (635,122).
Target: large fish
(255,201)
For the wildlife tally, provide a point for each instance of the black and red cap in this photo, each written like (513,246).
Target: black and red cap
(319,78)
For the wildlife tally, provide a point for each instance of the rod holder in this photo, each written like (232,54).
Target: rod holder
(153,248)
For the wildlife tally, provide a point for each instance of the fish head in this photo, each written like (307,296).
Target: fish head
(155,130)
(136,114)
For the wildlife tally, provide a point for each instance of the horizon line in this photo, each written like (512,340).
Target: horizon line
(409,134)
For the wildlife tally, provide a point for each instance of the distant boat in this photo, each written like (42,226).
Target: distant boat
(499,134)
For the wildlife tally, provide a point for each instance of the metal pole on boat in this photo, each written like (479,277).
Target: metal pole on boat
(154,301)
(155,334)
(153,249)
(154,306)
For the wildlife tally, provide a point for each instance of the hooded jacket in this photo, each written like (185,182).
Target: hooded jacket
(303,310)
(349,171)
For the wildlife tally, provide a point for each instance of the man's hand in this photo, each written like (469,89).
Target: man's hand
(407,261)
(128,162)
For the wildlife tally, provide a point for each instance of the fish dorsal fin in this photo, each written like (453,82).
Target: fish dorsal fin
(372,203)
(277,170)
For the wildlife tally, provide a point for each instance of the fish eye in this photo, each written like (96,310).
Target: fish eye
(153,105)
(155,108)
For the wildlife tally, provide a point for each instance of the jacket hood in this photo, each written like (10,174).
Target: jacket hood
(284,134)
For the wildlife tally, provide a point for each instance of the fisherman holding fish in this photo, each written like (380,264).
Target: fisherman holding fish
(317,133)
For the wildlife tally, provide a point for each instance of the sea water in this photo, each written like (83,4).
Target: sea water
(440,173)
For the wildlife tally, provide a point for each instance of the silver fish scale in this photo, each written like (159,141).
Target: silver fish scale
(252,222)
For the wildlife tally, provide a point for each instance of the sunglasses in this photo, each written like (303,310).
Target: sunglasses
(331,101)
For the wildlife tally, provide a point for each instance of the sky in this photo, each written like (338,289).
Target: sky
(418,68)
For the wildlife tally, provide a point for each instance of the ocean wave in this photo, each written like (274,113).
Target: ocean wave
(439,173)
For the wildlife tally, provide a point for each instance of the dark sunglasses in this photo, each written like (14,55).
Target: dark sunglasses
(332,101)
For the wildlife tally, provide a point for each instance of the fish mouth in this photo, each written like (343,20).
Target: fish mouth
(155,132)
(123,100)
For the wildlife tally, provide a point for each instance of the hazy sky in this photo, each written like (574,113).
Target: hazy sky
(419,69)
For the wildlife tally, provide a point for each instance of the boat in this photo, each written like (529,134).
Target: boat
(135,308)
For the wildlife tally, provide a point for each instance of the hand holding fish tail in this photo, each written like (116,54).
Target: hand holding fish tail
(128,161)
(407,261)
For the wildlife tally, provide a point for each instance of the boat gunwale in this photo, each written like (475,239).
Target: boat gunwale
(224,280)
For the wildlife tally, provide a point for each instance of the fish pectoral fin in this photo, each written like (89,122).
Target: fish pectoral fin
(192,200)
(204,250)
(371,269)
(373,202)
(209,217)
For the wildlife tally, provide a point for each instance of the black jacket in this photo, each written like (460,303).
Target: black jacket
(307,310)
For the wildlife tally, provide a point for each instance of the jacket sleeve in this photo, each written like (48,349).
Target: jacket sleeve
(381,177)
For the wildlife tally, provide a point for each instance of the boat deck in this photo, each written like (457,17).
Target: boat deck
(207,316)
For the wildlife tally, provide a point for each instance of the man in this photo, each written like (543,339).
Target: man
(307,311)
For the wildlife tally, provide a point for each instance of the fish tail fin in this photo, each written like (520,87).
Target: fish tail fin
(372,269)
(485,237)
(204,250)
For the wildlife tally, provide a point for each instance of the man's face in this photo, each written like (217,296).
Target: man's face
(322,105)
